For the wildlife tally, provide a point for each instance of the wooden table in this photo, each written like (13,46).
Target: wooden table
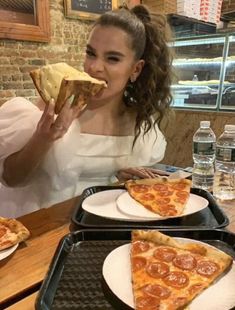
(22,273)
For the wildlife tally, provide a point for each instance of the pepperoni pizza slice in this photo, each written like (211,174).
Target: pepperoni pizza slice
(11,232)
(168,274)
(163,196)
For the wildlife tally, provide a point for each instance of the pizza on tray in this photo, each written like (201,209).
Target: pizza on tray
(163,196)
(62,82)
(11,232)
(167,274)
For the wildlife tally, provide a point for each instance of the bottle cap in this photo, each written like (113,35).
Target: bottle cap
(229,127)
(205,124)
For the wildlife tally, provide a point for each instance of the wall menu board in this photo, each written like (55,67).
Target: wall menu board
(88,9)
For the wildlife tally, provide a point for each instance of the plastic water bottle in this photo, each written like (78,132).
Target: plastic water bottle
(194,89)
(203,157)
(224,181)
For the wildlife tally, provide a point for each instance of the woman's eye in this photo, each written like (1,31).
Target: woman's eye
(90,53)
(113,59)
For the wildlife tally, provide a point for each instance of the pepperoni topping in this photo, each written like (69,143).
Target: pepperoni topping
(164,254)
(207,268)
(138,263)
(147,196)
(180,200)
(160,187)
(179,186)
(165,193)
(185,262)
(157,269)
(139,247)
(156,290)
(140,188)
(182,194)
(167,210)
(176,279)
(3,231)
(193,289)
(161,201)
(147,303)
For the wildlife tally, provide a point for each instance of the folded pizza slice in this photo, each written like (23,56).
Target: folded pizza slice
(163,196)
(11,232)
(168,274)
(62,82)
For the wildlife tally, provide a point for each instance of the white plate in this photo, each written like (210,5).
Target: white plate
(104,204)
(127,205)
(8,251)
(117,274)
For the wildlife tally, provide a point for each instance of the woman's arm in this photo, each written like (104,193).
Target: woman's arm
(20,166)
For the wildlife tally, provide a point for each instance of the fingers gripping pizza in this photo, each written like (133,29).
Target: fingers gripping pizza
(11,232)
(163,196)
(168,274)
(61,82)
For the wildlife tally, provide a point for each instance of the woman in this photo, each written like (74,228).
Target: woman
(45,160)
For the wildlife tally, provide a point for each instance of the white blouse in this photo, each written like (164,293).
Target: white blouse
(75,162)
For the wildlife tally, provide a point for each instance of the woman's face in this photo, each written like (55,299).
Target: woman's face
(109,57)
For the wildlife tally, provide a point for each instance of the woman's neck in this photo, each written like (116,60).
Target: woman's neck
(111,118)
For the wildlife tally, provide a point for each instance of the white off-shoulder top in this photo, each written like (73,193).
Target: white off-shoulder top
(75,162)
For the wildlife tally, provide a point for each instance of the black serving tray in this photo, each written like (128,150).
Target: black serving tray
(210,217)
(74,279)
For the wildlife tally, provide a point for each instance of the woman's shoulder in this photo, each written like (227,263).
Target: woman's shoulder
(17,104)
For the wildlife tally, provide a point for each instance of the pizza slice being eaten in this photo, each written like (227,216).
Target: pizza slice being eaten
(168,274)
(163,196)
(62,82)
(11,232)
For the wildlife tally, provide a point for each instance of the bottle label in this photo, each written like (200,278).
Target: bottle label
(225,154)
(204,148)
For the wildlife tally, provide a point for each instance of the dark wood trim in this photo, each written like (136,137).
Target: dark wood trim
(38,33)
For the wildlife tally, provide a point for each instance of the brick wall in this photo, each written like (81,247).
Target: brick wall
(17,58)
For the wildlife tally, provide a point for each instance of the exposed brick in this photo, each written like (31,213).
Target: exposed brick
(17,77)
(6,78)
(4,61)
(28,85)
(25,93)
(6,93)
(9,69)
(26,77)
(18,61)
(37,62)
(12,85)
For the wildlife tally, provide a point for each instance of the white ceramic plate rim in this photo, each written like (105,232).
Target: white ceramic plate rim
(5,253)
(104,204)
(116,268)
(130,207)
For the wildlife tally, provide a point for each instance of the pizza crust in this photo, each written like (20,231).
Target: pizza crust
(16,232)
(201,249)
(63,82)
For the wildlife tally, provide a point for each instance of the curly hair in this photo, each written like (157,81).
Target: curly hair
(150,94)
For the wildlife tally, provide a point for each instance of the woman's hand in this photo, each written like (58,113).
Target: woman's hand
(139,173)
(50,128)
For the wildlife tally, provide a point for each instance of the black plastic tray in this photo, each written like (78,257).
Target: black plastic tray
(210,217)
(74,279)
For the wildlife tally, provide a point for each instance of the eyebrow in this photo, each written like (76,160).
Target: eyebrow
(113,53)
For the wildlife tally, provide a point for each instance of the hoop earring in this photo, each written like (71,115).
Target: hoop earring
(128,93)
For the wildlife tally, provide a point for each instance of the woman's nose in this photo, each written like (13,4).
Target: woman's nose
(97,65)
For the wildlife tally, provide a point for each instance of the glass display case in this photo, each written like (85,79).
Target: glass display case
(204,72)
